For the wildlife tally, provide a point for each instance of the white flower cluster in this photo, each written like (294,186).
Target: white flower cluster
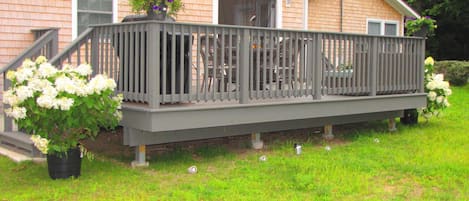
(40,143)
(16,112)
(437,91)
(51,88)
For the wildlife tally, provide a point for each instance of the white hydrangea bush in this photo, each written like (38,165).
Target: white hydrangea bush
(60,107)
(437,91)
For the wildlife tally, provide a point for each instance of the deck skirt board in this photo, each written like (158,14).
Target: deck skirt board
(135,137)
(187,117)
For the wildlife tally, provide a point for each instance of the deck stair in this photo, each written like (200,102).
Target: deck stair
(19,142)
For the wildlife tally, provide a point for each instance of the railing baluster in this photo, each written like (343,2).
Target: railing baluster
(222,63)
(301,75)
(271,64)
(264,62)
(318,69)
(182,66)
(238,65)
(350,59)
(244,66)
(173,63)
(132,67)
(189,69)
(215,63)
(198,65)
(373,67)
(230,63)
(164,67)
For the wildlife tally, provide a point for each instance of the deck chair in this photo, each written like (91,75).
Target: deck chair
(217,66)
(289,49)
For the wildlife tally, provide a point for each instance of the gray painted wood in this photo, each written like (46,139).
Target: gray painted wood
(136,137)
(250,85)
(165,119)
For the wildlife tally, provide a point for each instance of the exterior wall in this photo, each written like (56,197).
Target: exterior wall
(293,15)
(196,11)
(324,15)
(16,24)
(123,9)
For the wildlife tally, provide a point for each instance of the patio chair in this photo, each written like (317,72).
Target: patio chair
(211,53)
(289,50)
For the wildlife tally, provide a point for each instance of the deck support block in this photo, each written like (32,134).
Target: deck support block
(392,125)
(140,157)
(328,132)
(256,141)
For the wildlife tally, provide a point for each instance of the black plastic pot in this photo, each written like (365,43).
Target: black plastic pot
(64,165)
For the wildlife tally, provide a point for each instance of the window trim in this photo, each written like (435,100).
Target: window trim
(115,11)
(382,25)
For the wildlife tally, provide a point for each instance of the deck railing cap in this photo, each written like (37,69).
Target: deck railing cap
(254,28)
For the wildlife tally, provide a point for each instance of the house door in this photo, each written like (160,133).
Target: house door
(259,13)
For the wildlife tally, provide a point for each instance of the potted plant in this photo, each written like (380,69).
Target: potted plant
(157,9)
(59,108)
(424,26)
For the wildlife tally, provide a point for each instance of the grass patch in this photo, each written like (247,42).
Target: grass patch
(429,161)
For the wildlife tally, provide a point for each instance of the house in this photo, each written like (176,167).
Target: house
(285,64)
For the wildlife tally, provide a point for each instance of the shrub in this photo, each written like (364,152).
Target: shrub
(457,72)
(60,107)
(437,91)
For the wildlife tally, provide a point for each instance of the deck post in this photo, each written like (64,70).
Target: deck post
(392,125)
(140,157)
(53,47)
(317,67)
(244,67)
(153,65)
(7,121)
(94,52)
(421,66)
(374,65)
(256,141)
(328,132)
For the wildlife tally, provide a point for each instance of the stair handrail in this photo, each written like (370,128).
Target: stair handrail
(72,47)
(50,37)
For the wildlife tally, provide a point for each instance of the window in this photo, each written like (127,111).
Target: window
(89,12)
(247,12)
(381,27)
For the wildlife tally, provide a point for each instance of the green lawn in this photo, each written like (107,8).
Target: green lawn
(429,161)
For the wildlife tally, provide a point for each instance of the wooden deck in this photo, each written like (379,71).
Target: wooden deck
(167,74)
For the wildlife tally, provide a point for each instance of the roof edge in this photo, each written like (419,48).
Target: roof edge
(403,8)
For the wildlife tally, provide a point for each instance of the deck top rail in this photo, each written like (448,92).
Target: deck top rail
(162,63)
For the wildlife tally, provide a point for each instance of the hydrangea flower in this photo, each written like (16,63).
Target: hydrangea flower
(437,91)
(60,107)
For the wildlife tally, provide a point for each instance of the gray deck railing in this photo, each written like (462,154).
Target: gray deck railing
(46,43)
(158,63)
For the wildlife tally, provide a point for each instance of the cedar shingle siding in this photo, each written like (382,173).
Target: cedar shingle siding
(324,15)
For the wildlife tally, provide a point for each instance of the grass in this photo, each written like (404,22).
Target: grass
(429,161)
